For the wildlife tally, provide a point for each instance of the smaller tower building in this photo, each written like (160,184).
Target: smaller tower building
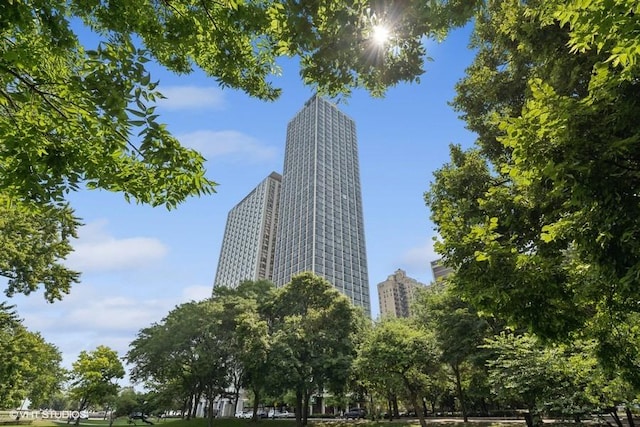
(396,294)
(248,245)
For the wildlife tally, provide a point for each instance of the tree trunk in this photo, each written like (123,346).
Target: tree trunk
(414,402)
(532,417)
(616,418)
(390,408)
(256,402)
(194,407)
(189,406)
(238,377)
(320,404)
(396,411)
(236,398)
(209,411)
(185,407)
(83,404)
(629,416)
(371,408)
(298,408)
(483,406)
(305,409)
(413,396)
(463,406)
(528,419)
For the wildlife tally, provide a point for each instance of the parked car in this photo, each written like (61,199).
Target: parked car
(244,414)
(274,413)
(287,414)
(354,413)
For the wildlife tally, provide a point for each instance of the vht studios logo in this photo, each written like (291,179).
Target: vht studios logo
(49,414)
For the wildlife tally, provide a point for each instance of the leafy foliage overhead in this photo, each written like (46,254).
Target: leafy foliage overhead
(540,218)
(78,110)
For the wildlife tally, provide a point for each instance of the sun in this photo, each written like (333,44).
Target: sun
(380,34)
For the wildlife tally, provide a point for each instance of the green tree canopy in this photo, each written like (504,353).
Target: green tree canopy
(30,367)
(399,351)
(94,377)
(189,351)
(539,218)
(246,314)
(562,379)
(314,339)
(34,239)
(126,402)
(458,331)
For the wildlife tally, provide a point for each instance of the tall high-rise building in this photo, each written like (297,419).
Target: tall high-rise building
(396,294)
(248,245)
(321,227)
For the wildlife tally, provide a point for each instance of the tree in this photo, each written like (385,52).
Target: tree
(93,377)
(213,352)
(190,351)
(458,331)
(313,340)
(561,379)
(30,367)
(377,381)
(67,119)
(399,350)
(538,218)
(193,353)
(35,238)
(523,373)
(126,402)
(246,315)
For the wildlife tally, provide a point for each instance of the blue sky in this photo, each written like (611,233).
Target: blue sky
(139,262)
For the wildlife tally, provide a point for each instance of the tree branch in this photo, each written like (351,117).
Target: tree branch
(34,87)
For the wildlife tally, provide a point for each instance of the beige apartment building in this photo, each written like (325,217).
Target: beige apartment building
(396,294)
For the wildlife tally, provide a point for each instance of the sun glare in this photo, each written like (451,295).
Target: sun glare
(380,34)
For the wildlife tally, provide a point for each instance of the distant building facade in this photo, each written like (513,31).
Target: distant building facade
(396,294)
(248,244)
(440,271)
(321,226)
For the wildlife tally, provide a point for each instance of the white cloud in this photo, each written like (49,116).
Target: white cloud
(191,97)
(91,309)
(96,250)
(228,143)
(92,315)
(113,315)
(418,259)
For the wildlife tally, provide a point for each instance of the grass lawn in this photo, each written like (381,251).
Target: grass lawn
(232,422)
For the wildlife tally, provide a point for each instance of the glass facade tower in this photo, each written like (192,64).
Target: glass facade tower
(248,244)
(321,227)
